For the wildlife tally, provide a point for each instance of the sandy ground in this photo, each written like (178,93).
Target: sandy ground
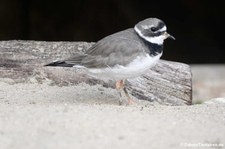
(41,116)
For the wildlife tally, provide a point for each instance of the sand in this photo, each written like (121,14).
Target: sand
(41,116)
(34,116)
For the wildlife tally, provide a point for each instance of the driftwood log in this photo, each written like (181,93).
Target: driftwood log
(168,83)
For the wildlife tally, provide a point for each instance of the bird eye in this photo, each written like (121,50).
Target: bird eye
(153,29)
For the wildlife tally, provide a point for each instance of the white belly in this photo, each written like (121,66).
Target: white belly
(136,68)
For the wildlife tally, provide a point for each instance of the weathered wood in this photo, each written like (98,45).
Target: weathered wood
(168,83)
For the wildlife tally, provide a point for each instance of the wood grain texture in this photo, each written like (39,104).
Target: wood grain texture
(168,83)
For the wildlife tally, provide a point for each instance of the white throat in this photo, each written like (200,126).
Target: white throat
(156,40)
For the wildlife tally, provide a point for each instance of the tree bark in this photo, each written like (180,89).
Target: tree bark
(168,83)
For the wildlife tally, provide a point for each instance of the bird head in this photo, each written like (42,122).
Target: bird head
(152,30)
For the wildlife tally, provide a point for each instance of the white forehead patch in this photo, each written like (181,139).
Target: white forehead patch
(162,29)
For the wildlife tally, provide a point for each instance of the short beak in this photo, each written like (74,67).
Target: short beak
(167,35)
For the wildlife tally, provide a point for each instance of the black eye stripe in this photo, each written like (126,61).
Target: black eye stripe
(152,34)
(158,27)
(153,29)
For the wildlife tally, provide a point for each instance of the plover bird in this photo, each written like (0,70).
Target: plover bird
(123,55)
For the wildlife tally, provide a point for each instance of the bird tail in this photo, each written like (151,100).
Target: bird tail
(59,64)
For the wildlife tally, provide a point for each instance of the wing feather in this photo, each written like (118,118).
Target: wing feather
(117,49)
(111,52)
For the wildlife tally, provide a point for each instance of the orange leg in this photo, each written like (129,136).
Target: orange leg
(119,86)
(130,100)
